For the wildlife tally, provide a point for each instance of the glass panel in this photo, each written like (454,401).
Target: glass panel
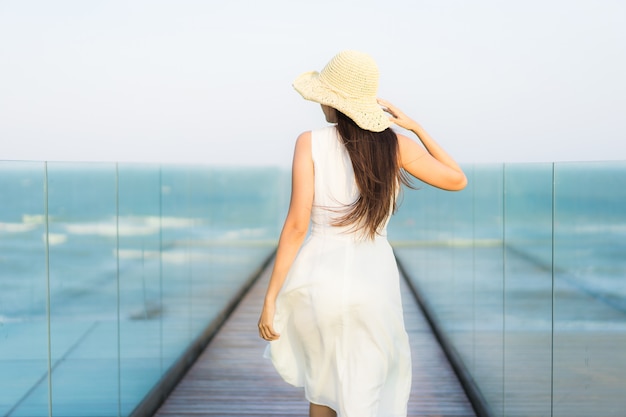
(488,351)
(140,281)
(432,234)
(204,195)
(185,240)
(590,289)
(23,316)
(84,289)
(218,225)
(176,229)
(457,222)
(452,246)
(528,290)
(548,309)
(420,242)
(237,214)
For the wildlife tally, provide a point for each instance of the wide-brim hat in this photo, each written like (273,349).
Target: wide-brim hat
(348,83)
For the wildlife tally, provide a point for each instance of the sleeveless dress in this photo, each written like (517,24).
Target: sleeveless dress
(339,312)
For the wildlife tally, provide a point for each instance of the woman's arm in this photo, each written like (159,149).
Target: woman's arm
(430,163)
(294,230)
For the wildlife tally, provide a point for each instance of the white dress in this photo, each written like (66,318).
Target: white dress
(339,312)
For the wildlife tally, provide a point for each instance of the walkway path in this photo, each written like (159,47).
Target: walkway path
(232,379)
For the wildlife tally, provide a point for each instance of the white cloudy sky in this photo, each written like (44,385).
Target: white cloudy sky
(210,81)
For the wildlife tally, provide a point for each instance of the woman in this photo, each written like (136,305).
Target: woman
(332,310)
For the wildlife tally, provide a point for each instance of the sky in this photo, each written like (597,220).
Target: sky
(191,81)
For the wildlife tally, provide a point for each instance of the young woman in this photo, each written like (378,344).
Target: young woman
(332,310)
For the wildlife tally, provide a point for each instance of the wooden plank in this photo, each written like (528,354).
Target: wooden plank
(231,378)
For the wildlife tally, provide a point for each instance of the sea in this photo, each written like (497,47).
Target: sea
(97,215)
(108,272)
(87,246)
(98,218)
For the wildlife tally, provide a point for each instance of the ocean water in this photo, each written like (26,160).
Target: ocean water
(525,274)
(572,216)
(162,210)
(140,258)
(152,210)
(108,272)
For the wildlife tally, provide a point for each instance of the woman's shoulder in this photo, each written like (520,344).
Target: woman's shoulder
(322,134)
(324,131)
(317,141)
(304,139)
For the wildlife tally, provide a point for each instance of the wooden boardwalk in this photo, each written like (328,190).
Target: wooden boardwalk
(231,378)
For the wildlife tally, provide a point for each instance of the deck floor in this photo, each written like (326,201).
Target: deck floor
(231,378)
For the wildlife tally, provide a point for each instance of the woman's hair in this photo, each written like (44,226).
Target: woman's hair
(377,173)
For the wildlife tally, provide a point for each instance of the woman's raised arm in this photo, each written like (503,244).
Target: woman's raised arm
(430,163)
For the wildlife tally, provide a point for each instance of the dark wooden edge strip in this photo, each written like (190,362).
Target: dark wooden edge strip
(164,387)
(475,396)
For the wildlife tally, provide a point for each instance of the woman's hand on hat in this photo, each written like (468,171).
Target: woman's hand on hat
(397,116)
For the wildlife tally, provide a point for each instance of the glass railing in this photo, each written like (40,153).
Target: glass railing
(524,275)
(108,272)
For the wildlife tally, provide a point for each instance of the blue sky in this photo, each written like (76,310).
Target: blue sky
(210,82)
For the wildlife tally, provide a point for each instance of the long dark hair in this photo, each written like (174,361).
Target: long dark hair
(377,173)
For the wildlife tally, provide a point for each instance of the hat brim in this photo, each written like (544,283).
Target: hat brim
(365,112)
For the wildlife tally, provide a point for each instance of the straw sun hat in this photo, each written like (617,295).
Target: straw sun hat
(348,83)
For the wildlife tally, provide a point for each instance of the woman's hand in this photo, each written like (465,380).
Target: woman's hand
(397,117)
(266,322)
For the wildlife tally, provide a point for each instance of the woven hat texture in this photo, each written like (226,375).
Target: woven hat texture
(348,83)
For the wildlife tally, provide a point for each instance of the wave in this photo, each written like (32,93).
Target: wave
(33,218)
(131,226)
(168,222)
(6,319)
(133,254)
(591,228)
(17,227)
(178,257)
(244,233)
(55,239)
(109,229)
(29,222)
(167,257)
